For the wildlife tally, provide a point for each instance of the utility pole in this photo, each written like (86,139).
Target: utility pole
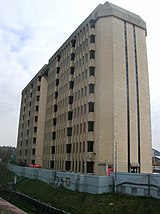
(115,166)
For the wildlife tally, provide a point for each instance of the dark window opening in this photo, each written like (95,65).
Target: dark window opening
(37,108)
(56,94)
(90,146)
(92,38)
(69,131)
(37,98)
(92,54)
(57,82)
(73,56)
(33,162)
(35,129)
(71,84)
(68,165)
(72,70)
(33,151)
(58,58)
(91,71)
(53,135)
(90,166)
(38,88)
(55,108)
(90,107)
(90,126)
(91,88)
(34,140)
(73,43)
(52,164)
(54,121)
(26,151)
(92,24)
(39,78)
(58,70)
(70,99)
(68,148)
(52,150)
(70,115)
(36,119)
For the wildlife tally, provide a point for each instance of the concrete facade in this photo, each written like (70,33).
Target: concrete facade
(93,106)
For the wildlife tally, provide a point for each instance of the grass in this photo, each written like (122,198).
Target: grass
(6,176)
(82,203)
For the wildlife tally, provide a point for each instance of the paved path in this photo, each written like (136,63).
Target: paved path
(7,208)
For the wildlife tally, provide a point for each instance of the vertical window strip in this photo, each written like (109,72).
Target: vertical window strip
(127,87)
(137,91)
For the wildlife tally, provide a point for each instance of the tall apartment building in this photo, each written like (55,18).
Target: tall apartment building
(88,109)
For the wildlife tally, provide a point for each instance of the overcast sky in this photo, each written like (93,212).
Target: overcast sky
(32,30)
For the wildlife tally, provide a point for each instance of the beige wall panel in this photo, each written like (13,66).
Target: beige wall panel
(41,121)
(120,95)
(144,101)
(104,91)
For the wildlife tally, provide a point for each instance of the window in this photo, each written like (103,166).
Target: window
(68,148)
(29,113)
(52,149)
(92,54)
(73,56)
(53,135)
(92,38)
(27,132)
(37,108)
(54,121)
(39,78)
(35,129)
(29,105)
(83,146)
(52,164)
(91,88)
(92,24)
(38,88)
(37,98)
(36,119)
(58,70)
(26,142)
(71,84)
(72,70)
(57,82)
(34,140)
(33,151)
(90,146)
(68,165)
(56,94)
(26,151)
(70,99)
(90,107)
(69,131)
(70,115)
(55,108)
(73,43)
(92,71)
(90,166)
(90,126)
(58,57)
(33,162)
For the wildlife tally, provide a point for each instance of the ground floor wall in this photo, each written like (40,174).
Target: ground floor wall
(128,183)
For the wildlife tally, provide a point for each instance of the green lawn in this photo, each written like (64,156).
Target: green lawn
(81,203)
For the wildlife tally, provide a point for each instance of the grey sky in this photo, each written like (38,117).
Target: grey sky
(32,30)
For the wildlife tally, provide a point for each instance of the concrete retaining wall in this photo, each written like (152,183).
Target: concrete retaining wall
(127,183)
